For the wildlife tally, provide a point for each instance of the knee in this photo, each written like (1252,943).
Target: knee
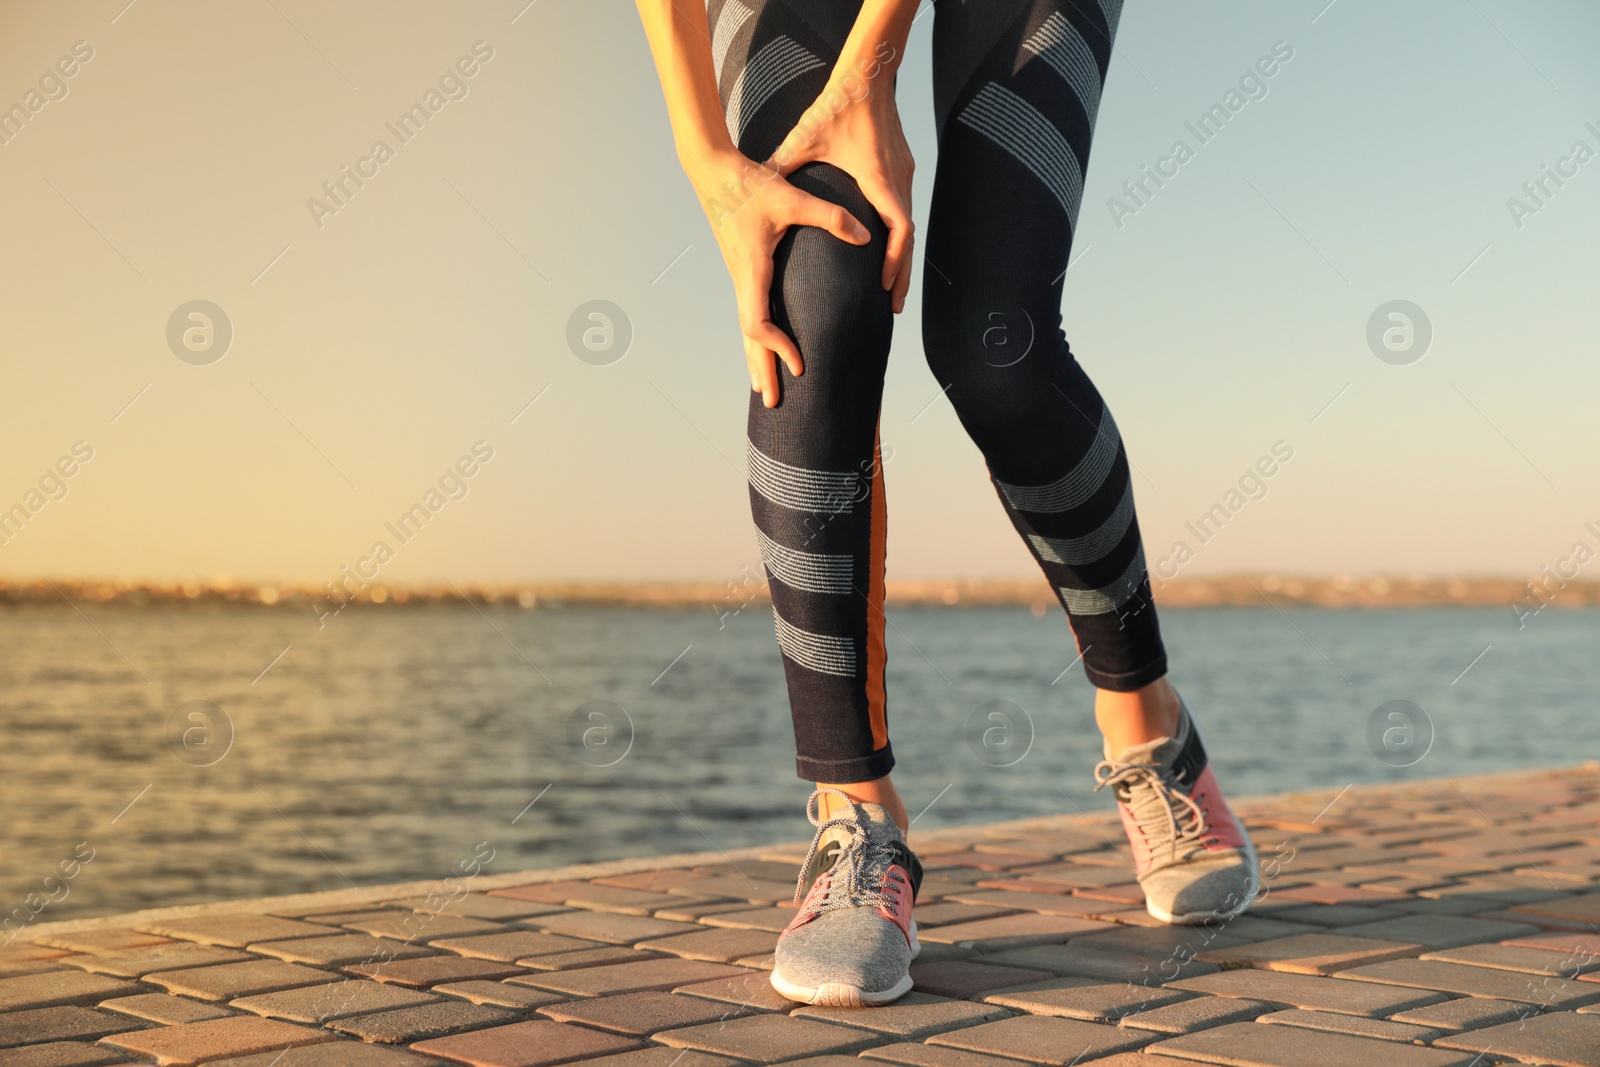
(989,351)
(825,286)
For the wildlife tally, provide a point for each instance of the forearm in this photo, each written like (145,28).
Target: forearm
(680,43)
(877,42)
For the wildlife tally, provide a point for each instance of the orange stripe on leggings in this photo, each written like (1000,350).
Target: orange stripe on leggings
(877,700)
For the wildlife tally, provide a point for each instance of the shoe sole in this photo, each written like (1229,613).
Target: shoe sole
(843,994)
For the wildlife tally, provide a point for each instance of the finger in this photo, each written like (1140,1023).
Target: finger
(896,214)
(754,289)
(808,210)
(763,372)
(902,278)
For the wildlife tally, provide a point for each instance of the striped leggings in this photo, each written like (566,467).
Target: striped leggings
(1016,87)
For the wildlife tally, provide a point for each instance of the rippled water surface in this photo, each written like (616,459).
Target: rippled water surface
(388,745)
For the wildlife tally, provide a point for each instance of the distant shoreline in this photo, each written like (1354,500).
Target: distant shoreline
(1238,590)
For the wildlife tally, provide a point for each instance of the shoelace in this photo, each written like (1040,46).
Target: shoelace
(1167,815)
(859,857)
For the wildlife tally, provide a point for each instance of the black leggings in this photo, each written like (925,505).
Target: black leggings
(1016,87)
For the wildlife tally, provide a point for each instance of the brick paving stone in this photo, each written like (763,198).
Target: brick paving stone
(318,1004)
(60,1054)
(164,1009)
(235,931)
(1513,958)
(1077,875)
(642,1014)
(1083,998)
(591,957)
(332,1054)
(1584,907)
(604,926)
(749,989)
(1336,915)
(1438,931)
(962,980)
(1160,940)
(477,906)
(343,915)
(945,912)
(932,953)
(630,977)
(29,952)
(768,1038)
(1197,1013)
(1012,931)
(1043,1039)
(772,920)
(1000,900)
(339,949)
(659,881)
(17,970)
(229,980)
(1357,1025)
(984,861)
(535,1043)
(402,1026)
(1265,928)
(136,963)
(1251,1045)
(422,927)
(108,940)
(1561,1040)
(432,970)
(59,987)
(624,901)
(498,994)
(1128,894)
(65,1022)
(1082,962)
(662,1057)
(935,1056)
(911,1018)
(1579,946)
(933,888)
(1549,993)
(718,946)
(190,1043)
(512,946)
(540,892)
(1465,1013)
(755,890)
(1308,991)
(1310,953)
(693,912)
(1335,894)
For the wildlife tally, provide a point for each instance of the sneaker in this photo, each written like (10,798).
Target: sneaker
(1193,859)
(852,939)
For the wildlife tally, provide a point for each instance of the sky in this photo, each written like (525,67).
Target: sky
(380,350)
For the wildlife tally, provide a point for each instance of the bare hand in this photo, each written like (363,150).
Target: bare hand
(750,208)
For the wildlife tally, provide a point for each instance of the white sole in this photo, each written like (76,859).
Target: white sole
(843,994)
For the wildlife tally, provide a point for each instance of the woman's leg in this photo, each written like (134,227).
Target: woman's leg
(816,493)
(816,477)
(1016,90)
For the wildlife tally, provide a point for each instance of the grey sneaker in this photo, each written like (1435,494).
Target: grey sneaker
(1193,859)
(852,939)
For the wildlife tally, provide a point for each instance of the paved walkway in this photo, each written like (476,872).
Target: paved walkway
(1436,923)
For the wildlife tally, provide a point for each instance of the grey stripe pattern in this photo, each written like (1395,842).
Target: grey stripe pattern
(1022,130)
(812,572)
(817,652)
(732,19)
(1113,12)
(1107,598)
(1059,44)
(800,488)
(1078,484)
(779,62)
(1076,551)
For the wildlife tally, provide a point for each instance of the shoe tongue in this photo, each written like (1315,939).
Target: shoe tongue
(874,818)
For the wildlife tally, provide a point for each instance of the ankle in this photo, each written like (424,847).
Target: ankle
(879,791)
(1137,717)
